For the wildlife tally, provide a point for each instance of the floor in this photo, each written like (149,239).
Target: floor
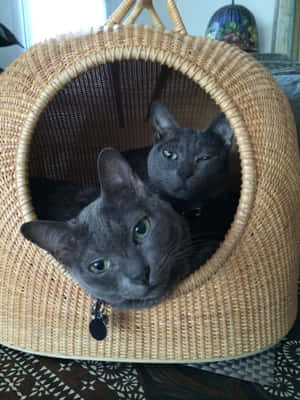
(24,376)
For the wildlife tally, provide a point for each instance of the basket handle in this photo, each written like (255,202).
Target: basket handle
(127,5)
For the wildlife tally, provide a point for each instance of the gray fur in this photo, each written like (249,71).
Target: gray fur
(140,274)
(189,180)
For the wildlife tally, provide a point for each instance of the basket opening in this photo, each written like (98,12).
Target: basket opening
(107,106)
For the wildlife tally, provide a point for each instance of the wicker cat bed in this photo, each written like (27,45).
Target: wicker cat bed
(61,102)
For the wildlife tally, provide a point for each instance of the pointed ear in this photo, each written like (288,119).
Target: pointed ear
(53,236)
(115,175)
(221,126)
(163,122)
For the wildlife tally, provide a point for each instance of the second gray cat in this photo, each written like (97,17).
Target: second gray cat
(185,166)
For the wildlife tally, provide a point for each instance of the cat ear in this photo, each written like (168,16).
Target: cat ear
(115,174)
(163,122)
(220,125)
(53,236)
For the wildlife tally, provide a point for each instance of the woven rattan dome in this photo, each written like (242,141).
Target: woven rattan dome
(244,298)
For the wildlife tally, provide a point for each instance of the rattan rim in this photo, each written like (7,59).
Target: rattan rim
(200,77)
(148,361)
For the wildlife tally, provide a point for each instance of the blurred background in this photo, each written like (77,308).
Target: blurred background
(32,21)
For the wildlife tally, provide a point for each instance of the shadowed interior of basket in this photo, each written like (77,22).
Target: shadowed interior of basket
(107,106)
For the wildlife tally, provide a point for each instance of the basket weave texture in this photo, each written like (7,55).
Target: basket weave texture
(244,298)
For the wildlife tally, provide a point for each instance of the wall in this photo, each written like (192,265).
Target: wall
(196,14)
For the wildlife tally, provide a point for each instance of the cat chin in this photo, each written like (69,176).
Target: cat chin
(181,194)
(152,299)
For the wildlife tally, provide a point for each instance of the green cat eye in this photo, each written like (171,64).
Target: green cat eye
(170,154)
(141,229)
(98,266)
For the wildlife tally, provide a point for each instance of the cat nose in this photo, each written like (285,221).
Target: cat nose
(185,173)
(143,276)
(147,273)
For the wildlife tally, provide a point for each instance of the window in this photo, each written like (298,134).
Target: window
(48,19)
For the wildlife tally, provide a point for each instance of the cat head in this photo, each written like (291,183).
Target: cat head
(125,247)
(187,163)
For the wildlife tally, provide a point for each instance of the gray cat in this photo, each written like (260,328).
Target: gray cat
(127,246)
(185,166)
